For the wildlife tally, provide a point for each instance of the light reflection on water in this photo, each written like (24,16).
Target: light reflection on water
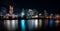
(33,23)
(23,27)
(11,25)
(40,23)
(52,23)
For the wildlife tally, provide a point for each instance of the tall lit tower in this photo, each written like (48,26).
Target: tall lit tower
(11,25)
(23,13)
(11,9)
(32,13)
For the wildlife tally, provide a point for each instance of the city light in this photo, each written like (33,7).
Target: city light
(36,23)
(31,24)
(40,23)
(11,25)
(32,19)
(23,26)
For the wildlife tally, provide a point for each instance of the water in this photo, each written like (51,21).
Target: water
(23,27)
(11,25)
(36,23)
(31,24)
(51,23)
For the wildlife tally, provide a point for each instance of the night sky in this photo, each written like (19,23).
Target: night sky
(49,5)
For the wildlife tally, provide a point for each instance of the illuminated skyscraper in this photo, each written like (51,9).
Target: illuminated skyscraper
(23,13)
(32,13)
(11,24)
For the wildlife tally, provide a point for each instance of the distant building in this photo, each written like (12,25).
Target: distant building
(32,13)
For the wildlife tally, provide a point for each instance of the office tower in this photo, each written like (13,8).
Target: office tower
(10,14)
(35,14)
(23,13)
(29,13)
(32,13)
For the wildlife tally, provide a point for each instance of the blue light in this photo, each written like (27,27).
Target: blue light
(51,23)
(23,12)
(23,25)
(54,24)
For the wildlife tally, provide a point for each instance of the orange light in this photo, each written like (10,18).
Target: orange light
(57,22)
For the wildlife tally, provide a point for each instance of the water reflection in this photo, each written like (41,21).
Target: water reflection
(23,26)
(40,23)
(57,22)
(31,24)
(7,24)
(51,23)
(36,23)
(46,23)
(14,24)
(11,25)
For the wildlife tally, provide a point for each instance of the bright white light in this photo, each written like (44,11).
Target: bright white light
(40,14)
(16,21)
(13,24)
(36,23)
(22,14)
(30,10)
(7,24)
(36,16)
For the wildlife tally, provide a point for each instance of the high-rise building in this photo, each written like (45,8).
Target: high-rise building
(32,13)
